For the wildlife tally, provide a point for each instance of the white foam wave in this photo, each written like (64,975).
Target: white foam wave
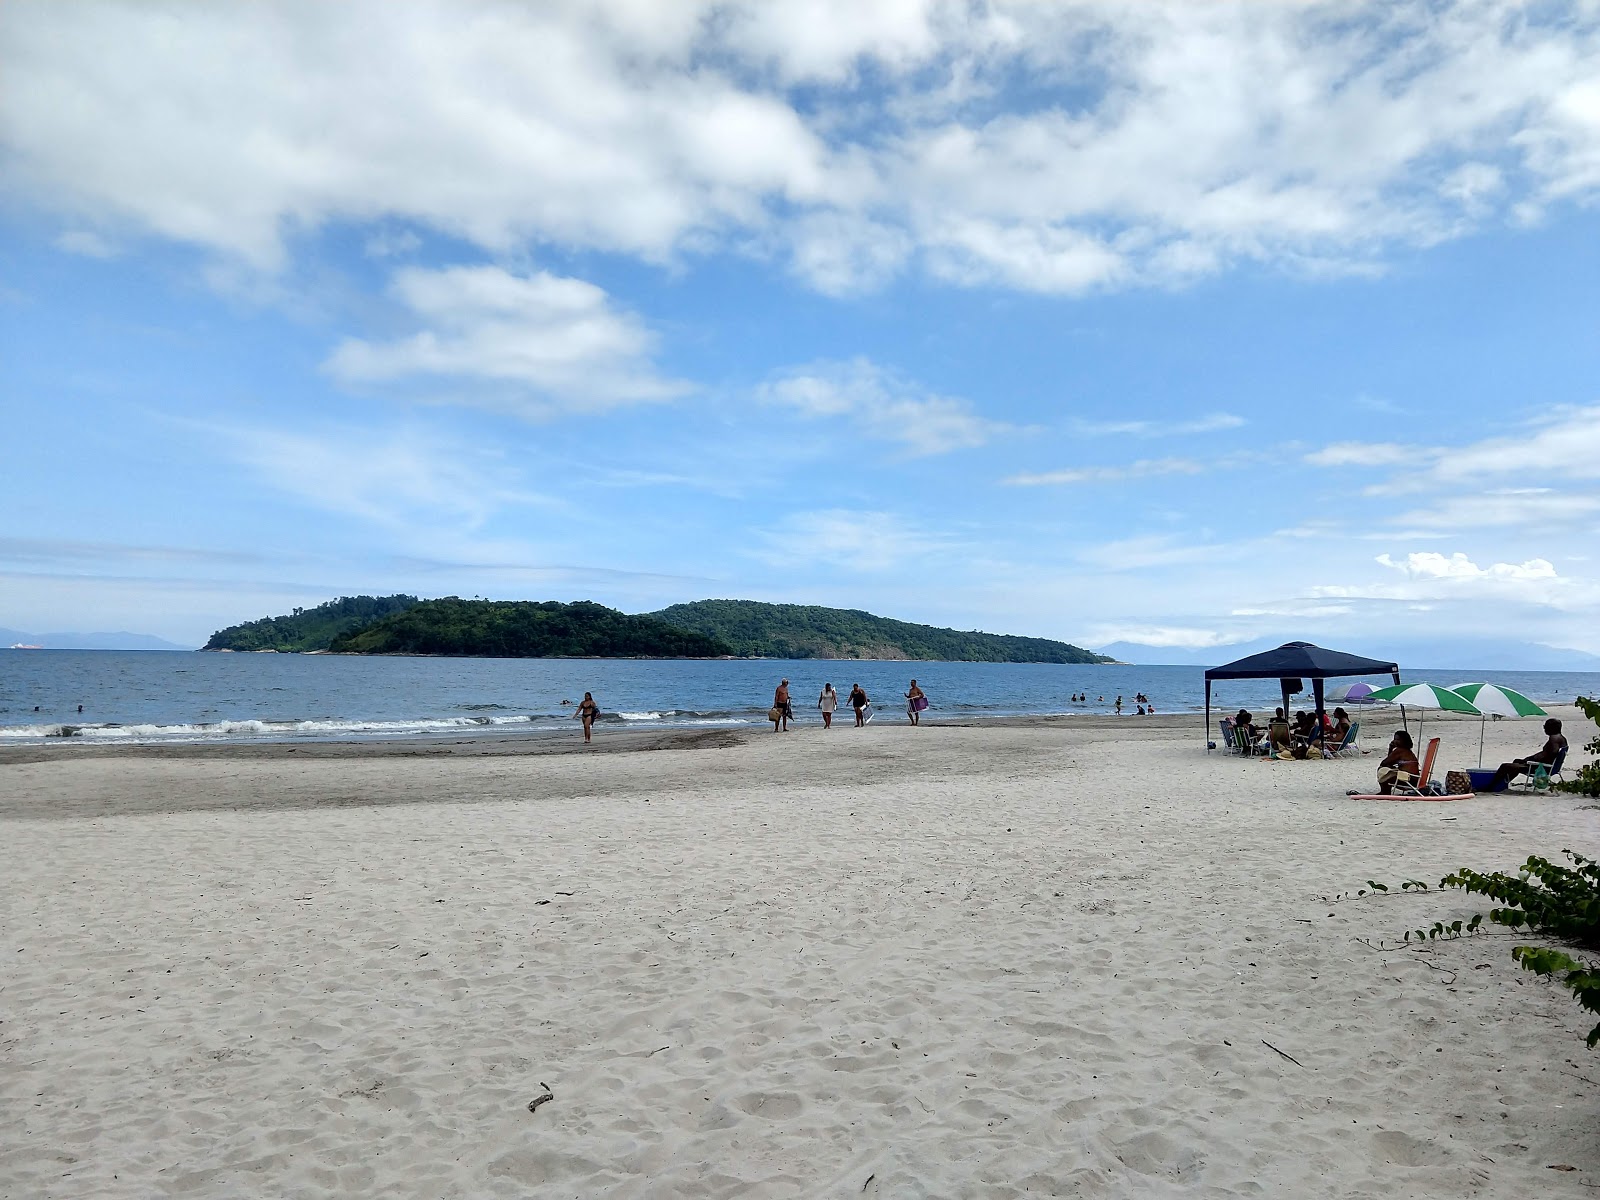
(265,730)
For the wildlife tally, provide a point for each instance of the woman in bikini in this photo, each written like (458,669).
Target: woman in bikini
(588,710)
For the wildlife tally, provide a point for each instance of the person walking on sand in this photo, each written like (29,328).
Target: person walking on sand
(916,701)
(780,701)
(859,702)
(828,702)
(588,710)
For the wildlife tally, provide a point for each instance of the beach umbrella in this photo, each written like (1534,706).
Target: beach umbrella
(1494,700)
(1352,693)
(1425,695)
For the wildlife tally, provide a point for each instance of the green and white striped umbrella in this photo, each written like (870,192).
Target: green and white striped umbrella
(1495,701)
(1498,701)
(1426,695)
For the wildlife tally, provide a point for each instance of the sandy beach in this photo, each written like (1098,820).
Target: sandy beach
(1075,957)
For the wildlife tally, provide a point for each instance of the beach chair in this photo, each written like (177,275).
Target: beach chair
(1402,788)
(1227,741)
(1348,746)
(1542,777)
(1242,740)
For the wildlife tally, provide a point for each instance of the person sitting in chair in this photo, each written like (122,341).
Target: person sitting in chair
(1278,732)
(1339,731)
(1399,765)
(1555,745)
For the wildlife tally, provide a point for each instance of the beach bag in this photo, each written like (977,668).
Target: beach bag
(1457,783)
(920,703)
(774,714)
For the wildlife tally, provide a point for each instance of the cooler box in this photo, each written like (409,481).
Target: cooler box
(1481,779)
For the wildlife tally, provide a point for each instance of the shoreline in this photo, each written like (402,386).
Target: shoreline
(638,736)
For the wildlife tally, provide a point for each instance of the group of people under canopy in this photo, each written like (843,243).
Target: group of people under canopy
(1295,662)
(1308,735)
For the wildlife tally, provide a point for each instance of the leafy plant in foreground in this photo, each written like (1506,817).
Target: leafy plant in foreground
(1586,781)
(1561,901)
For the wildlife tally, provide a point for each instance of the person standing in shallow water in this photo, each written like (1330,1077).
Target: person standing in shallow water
(828,702)
(588,710)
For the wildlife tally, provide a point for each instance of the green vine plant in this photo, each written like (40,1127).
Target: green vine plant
(1544,897)
(1586,780)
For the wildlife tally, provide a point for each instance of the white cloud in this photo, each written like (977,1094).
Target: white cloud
(1141,469)
(1184,637)
(1211,423)
(882,405)
(406,481)
(856,541)
(86,243)
(1367,454)
(558,337)
(1058,147)
(1430,565)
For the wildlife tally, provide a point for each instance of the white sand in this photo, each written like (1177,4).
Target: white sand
(973,962)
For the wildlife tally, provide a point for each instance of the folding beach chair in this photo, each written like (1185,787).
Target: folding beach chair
(1541,777)
(1402,788)
(1241,737)
(1348,746)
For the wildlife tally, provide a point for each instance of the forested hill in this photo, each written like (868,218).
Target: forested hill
(524,629)
(760,630)
(308,628)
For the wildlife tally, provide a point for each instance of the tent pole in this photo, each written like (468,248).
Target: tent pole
(1316,695)
(1208,716)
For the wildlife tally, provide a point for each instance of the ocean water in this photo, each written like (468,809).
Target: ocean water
(151,696)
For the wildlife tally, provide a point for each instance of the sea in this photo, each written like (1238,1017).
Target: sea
(187,697)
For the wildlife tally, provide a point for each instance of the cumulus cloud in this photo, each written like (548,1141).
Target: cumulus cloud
(883,405)
(1052,148)
(1430,565)
(556,337)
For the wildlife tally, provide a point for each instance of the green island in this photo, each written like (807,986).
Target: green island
(547,629)
(524,629)
(308,629)
(757,630)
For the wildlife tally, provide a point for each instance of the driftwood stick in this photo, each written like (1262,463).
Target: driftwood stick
(548,1095)
(1281,1054)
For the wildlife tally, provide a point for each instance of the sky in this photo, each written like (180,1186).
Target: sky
(1177,323)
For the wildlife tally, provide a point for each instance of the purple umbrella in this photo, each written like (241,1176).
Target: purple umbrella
(1352,693)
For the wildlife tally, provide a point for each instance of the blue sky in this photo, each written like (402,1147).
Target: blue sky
(1174,323)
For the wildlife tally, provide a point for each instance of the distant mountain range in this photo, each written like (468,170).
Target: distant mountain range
(87,641)
(1462,655)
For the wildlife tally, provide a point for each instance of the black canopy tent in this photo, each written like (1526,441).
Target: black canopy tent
(1293,662)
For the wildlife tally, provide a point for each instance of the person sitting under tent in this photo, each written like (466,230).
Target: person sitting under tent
(1555,745)
(1400,761)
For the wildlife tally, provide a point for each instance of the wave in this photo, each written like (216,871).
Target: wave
(307,729)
